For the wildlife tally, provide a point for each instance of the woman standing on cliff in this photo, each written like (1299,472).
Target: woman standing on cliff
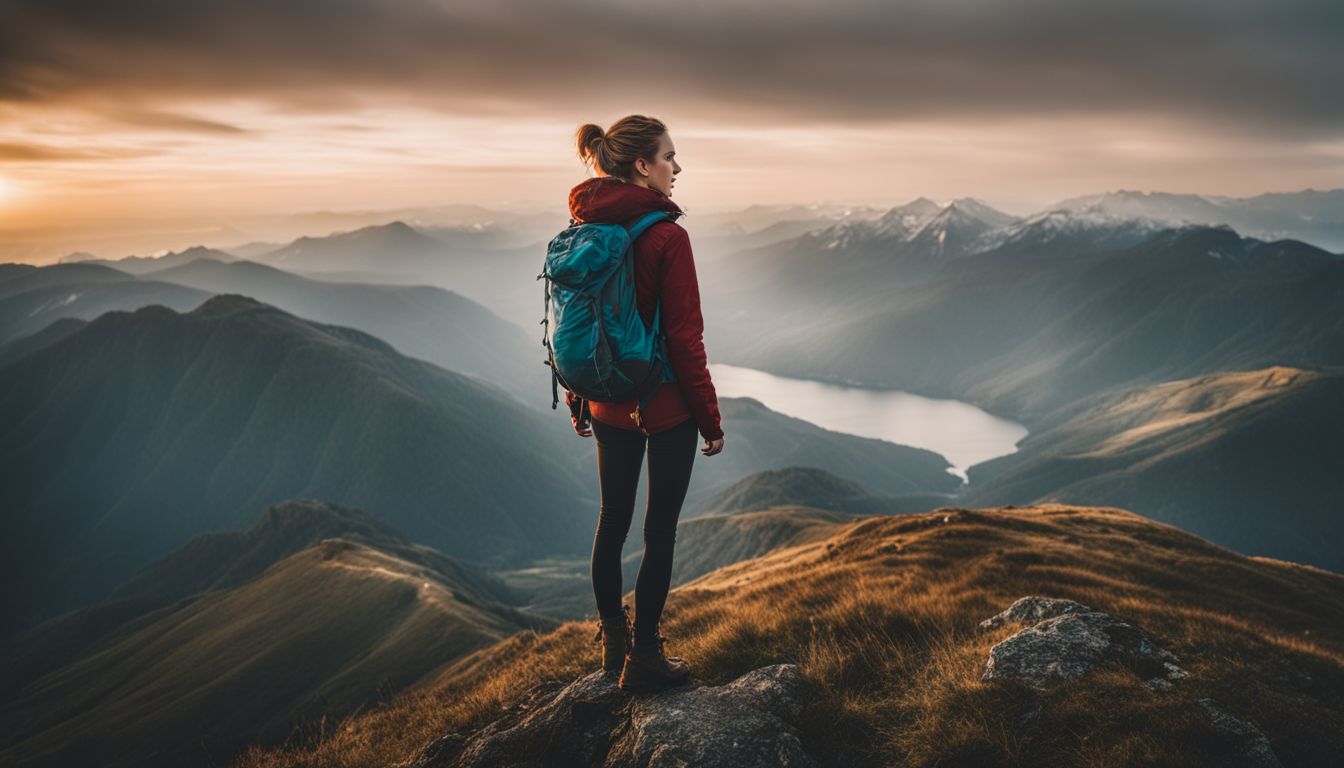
(637,164)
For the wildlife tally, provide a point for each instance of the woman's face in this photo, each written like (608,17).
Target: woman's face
(660,174)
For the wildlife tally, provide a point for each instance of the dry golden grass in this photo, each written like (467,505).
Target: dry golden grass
(881,618)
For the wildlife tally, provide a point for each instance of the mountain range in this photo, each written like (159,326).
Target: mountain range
(1022,336)
(431,323)
(416,581)
(32,298)
(179,424)
(1315,216)
(237,637)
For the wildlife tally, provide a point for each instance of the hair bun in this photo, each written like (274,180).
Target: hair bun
(632,137)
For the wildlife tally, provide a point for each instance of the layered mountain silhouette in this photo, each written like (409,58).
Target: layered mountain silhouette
(494,266)
(31,298)
(392,247)
(422,321)
(888,623)
(1023,340)
(141,430)
(1247,459)
(49,335)
(811,487)
(710,542)
(1179,370)
(139,265)
(235,638)
(1310,215)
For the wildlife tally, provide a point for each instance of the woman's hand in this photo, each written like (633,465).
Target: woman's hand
(583,428)
(712,447)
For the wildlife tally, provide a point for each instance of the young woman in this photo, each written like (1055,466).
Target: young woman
(637,164)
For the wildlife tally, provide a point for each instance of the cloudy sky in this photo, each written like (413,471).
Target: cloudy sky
(149,108)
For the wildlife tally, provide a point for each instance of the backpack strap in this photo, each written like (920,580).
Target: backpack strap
(644,222)
(639,227)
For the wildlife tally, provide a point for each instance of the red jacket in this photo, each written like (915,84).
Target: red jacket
(664,270)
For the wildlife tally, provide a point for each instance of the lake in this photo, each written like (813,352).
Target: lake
(961,432)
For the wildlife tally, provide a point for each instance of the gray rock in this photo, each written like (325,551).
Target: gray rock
(1073,642)
(1249,740)
(747,722)
(1032,609)
(738,724)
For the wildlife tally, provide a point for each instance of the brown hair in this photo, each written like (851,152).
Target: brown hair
(615,151)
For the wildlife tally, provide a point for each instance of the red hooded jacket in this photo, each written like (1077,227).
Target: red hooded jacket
(664,271)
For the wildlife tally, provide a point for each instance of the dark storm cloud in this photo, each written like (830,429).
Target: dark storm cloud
(1272,67)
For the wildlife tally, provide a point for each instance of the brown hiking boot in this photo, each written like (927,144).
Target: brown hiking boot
(647,668)
(614,635)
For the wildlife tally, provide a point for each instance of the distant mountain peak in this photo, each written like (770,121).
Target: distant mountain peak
(954,228)
(184,256)
(980,210)
(305,513)
(1068,228)
(920,206)
(900,223)
(795,486)
(393,229)
(393,242)
(228,303)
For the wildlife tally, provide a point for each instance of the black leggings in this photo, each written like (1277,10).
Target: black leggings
(619,455)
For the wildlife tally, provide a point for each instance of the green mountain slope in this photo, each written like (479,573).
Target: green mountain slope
(31,299)
(320,633)
(1249,459)
(422,321)
(144,429)
(1025,329)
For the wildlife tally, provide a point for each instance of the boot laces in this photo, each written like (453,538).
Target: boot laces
(602,623)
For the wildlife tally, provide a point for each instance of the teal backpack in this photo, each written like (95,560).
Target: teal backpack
(598,346)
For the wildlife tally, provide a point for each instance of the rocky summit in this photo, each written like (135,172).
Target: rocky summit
(745,723)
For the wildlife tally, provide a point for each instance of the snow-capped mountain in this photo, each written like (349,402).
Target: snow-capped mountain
(962,220)
(979,210)
(1060,229)
(956,230)
(1310,215)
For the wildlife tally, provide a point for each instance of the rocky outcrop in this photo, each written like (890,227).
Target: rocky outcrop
(1029,610)
(590,721)
(1252,746)
(1067,639)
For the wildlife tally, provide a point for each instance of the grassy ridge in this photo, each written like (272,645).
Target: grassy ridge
(321,633)
(882,620)
(1248,459)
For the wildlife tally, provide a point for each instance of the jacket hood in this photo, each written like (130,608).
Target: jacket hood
(607,199)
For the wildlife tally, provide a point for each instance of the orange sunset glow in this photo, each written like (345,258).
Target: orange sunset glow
(237,111)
